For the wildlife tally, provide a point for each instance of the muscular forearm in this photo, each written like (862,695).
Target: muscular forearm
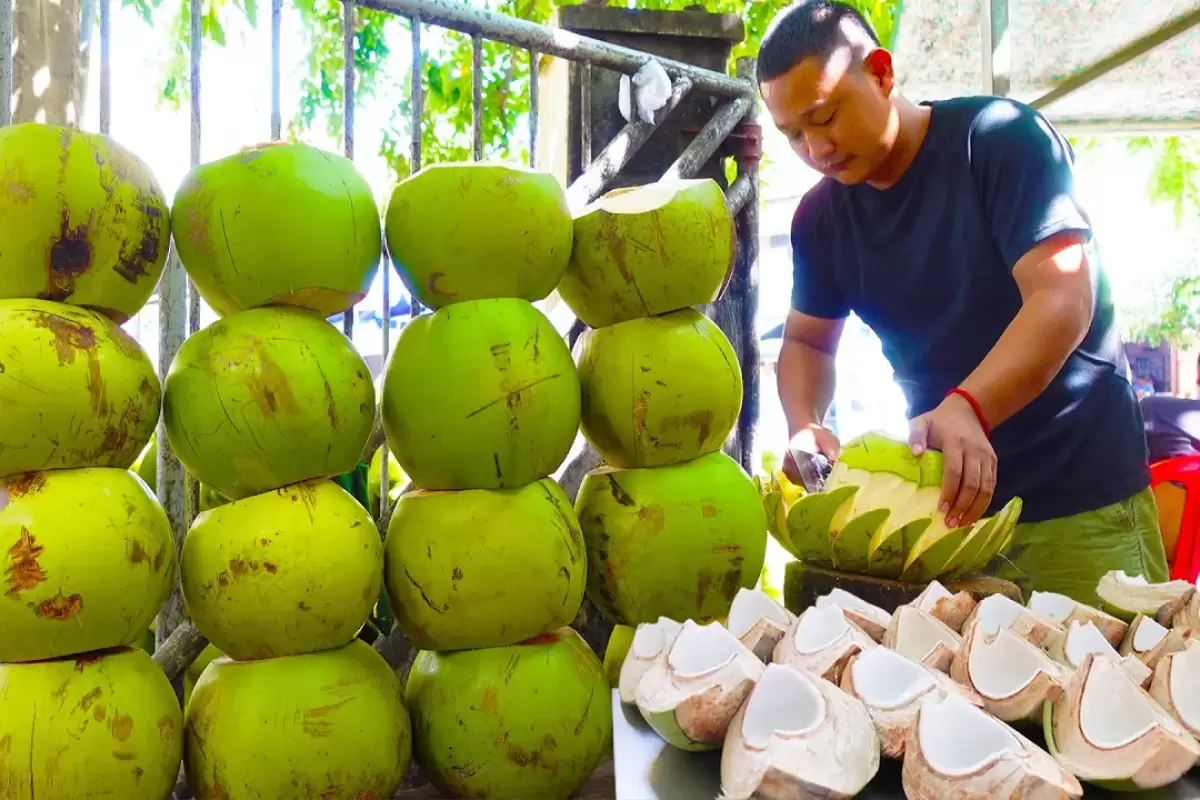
(1030,352)
(806,383)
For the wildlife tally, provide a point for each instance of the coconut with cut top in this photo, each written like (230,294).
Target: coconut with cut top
(1149,642)
(997,611)
(951,608)
(915,634)
(758,622)
(1062,610)
(1126,596)
(798,736)
(955,750)
(1182,613)
(690,696)
(892,688)
(1176,686)
(872,619)
(1013,677)
(1085,639)
(651,642)
(821,642)
(1108,731)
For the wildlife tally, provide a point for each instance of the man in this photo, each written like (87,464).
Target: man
(953,230)
(1172,426)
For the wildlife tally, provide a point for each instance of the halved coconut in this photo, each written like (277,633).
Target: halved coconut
(997,611)
(1062,610)
(871,618)
(1013,677)
(798,736)
(690,697)
(892,688)
(953,609)
(1107,730)
(1182,613)
(956,750)
(1176,686)
(915,634)
(651,642)
(1126,596)
(758,622)
(1085,639)
(821,642)
(1149,642)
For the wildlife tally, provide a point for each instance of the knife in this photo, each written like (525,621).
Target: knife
(813,469)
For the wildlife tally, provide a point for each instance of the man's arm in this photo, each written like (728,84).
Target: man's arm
(806,369)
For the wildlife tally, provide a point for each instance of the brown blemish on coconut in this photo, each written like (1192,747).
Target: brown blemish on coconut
(137,553)
(84,661)
(159,557)
(121,727)
(703,584)
(732,580)
(331,407)
(91,697)
(619,494)
(705,717)
(99,713)
(60,607)
(134,265)
(315,723)
(123,755)
(23,485)
(24,573)
(270,389)
(166,728)
(651,521)
(69,257)
(491,700)
(708,510)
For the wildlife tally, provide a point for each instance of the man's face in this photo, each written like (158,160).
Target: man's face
(837,112)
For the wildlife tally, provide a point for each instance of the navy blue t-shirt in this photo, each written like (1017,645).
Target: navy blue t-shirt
(927,264)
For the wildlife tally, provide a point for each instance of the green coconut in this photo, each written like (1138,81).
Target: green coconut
(484,567)
(531,720)
(658,390)
(268,398)
(396,477)
(615,652)
(146,468)
(280,224)
(284,572)
(101,725)
(82,220)
(480,395)
(676,541)
(89,558)
(649,250)
(474,231)
(327,724)
(192,674)
(75,389)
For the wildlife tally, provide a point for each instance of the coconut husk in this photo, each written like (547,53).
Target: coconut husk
(803,584)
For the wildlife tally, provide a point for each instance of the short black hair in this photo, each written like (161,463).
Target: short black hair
(805,29)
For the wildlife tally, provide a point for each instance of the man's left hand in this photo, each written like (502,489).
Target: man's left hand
(969,472)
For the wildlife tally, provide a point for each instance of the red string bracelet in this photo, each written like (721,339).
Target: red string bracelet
(978,409)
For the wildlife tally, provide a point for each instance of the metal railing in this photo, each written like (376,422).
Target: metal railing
(179,303)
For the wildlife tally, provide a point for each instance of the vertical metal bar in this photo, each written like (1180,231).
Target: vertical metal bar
(533,106)
(105,66)
(276,57)
(6,65)
(477,95)
(348,25)
(744,291)
(994,47)
(585,115)
(416,112)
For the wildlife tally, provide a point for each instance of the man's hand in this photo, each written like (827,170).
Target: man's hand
(811,439)
(969,476)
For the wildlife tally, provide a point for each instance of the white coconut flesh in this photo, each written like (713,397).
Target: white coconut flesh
(916,635)
(1086,638)
(820,628)
(758,621)
(1002,665)
(701,651)
(784,703)
(1062,610)
(871,618)
(651,641)
(1132,594)
(822,641)
(997,611)
(906,500)
(1146,634)
(643,199)
(886,680)
(958,739)
(1177,686)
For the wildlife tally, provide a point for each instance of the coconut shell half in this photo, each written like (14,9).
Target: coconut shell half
(821,642)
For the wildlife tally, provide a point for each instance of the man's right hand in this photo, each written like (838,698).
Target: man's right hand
(813,439)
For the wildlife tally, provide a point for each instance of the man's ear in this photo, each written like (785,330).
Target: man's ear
(878,66)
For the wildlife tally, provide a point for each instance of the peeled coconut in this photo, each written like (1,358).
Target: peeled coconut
(1012,677)
(878,515)
(871,619)
(480,395)
(651,643)
(530,720)
(475,231)
(997,611)
(951,608)
(1176,686)
(484,567)
(1182,613)
(286,572)
(268,398)
(1149,642)
(278,225)
(956,750)
(915,634)
(822,642)
(334,720)
(89,560)
(75,389)
(1107,730)
(798,736)
(658,390)
(676,541)
(1126,596)
(1062,610)
(82,221)
(758,622)
(690,696)
(1086,639)
(101,725)
(649,250)
(892,688)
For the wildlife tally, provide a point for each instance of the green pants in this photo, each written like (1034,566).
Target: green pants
(1068,555)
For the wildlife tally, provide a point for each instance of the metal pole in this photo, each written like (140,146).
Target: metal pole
(415,112)
(105,67)
(349,21)
(710,137)
(585,115)
(6,65)
(276,50)
(533,107)
(477,96)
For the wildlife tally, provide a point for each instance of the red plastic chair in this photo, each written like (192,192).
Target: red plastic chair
(1176,486)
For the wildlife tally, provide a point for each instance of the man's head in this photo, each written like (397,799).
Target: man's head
(828,86)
